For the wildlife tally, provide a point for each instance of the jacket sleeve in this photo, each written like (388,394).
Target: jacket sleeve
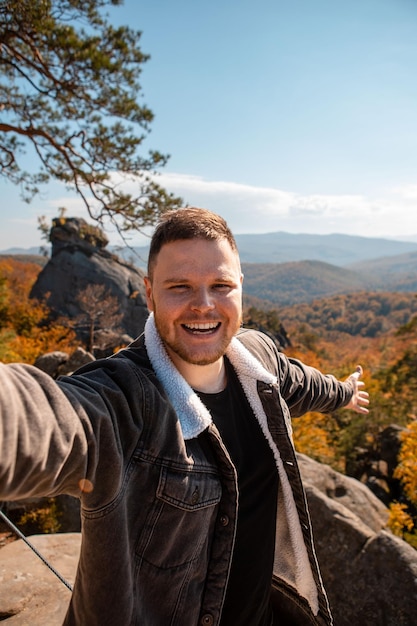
(52,432)
(43,445)
(305,388)
(302,387)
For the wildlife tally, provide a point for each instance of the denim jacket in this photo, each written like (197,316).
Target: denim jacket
(158,501)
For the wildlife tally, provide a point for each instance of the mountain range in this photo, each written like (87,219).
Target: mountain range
(285,269)
(281,247)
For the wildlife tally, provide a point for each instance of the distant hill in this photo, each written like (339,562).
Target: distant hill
(285,284)
(33,250)
(398,272)
(336,249)
(288,283)
(281,247)
(39,259)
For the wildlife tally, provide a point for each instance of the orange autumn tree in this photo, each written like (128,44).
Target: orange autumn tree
(406,470)
(314,433)
(403,515)
(26,329)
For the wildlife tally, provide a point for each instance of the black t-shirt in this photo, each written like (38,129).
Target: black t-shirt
(248,591)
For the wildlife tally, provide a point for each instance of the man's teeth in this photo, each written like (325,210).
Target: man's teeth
(205,326)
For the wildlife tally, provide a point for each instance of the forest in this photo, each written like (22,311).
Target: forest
(377,330)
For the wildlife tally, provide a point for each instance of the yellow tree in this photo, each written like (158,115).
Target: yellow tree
(403,516)
(406,470)
(26,331)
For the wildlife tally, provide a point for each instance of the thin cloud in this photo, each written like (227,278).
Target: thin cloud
(406,192)
(250,209)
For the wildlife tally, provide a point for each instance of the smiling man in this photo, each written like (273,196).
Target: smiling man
(194,288)
(194,512)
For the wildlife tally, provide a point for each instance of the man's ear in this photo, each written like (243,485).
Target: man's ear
(148,291)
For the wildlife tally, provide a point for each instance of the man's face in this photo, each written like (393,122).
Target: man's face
(196,297)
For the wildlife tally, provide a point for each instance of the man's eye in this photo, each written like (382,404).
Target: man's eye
(222,287)
(178,287)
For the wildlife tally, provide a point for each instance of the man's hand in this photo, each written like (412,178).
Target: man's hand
(360,399)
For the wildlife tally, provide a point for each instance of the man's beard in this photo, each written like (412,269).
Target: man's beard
(204,356)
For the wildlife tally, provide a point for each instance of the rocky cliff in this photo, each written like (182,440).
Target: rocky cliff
(78,259)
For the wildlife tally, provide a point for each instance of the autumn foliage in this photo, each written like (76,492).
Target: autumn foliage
(26,328)
(406,470)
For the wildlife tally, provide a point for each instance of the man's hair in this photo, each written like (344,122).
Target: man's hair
(188,223)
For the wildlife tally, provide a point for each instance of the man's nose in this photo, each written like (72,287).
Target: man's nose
(203,300)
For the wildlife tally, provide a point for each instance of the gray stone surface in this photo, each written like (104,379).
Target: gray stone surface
(30,594)
(61,363)
(345,490)
(51,362)
(369,574)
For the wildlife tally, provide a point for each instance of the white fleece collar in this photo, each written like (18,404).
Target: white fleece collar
(193,415)
(194,418)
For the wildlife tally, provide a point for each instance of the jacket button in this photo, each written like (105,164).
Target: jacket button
(207,620)
(224,520)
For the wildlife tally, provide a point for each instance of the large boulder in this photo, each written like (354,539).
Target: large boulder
(369,574)
(345,490)
(79,259)
(30,593)
(61,363)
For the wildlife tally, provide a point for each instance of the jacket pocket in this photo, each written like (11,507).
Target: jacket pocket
(180,521)
(189,491)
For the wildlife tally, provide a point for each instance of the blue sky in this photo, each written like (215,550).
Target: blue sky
(297,116)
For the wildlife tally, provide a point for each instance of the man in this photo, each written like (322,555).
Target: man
(180,450)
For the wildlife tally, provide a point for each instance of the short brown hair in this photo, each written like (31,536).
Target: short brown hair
(188,223)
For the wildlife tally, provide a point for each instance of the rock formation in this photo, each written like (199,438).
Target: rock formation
(369,574)
(61,363)
(30,594)
(78,259)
